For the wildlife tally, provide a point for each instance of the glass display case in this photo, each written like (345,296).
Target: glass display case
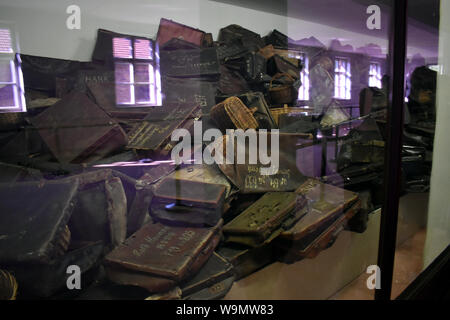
(218,149)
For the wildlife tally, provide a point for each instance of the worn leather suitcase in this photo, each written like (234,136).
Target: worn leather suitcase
(232,113)
(100,213)
(252,66)
(256,102)
(46,280)
(325,205)
(227,51)
(157,257)
(154,133)
(188,203)
(278,39)
(35,230)
(232,82)
(13,173)
(76,130)
(190,63)
(248,178)
(278,64)
(169,29)
(239,35)
(324,237)
(265,219)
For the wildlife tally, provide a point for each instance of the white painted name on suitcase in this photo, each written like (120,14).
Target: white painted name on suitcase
(234,149)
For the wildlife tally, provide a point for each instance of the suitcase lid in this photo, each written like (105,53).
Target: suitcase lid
(158,125)
(325,202)
(30,230)
(169,29)
(73,125)
(163,251)
(264,215)
(190,193)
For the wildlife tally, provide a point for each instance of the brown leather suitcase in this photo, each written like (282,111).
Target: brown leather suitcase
(76,130)
(35,230)
(190,63)
(153,134)
(325,236)
(232,113)
(169,29)
(188,202)
(326,204)
(248,178)
(157,257)
(265,219)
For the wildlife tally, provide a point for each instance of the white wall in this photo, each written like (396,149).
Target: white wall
(41,25)
(438,227)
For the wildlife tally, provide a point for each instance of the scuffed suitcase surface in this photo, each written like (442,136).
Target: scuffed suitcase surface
(248,178)
(47,279)
(75,129)
(320,240)
(163,251)
(154,133)
(211,282)
(12,173)
(169,29)
(239,35)
(190,63)
(263,220)
(189,203)
(30,230)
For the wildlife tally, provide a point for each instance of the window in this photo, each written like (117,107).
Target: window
(12,97)
(136,69)
(375,75)
(342,79)
(303,93)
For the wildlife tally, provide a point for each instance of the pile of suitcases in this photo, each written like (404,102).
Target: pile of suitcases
(89,185)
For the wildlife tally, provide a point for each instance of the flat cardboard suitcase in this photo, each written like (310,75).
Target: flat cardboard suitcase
(75,129)
(232,113)
(100,213)
(153,134)
(265,219)
(188,202)
(157,257)
(32,230)
(190,63)
(169,29)
(278,64)
(325,236)
(248,177)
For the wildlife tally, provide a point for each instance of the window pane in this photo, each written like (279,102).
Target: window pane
(124,94)
(122,48)
(6,71)
(5,41)
(8,96)
(124,72)
(142,72)
(142,93)
(142,49)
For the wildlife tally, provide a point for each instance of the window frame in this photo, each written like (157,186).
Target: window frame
(348,78)
(152,62)
(13,58)
(378,74)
